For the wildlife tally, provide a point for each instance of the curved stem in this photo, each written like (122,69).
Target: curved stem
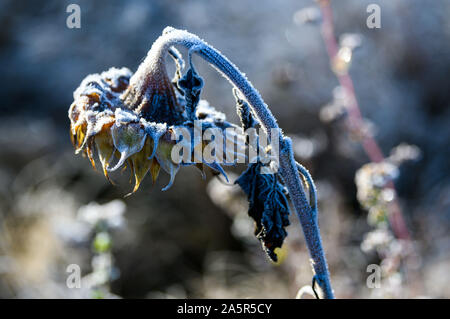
(289,172)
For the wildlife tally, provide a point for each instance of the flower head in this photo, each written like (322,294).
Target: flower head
(135,120)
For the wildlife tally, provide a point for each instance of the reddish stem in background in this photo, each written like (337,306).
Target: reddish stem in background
(355,118)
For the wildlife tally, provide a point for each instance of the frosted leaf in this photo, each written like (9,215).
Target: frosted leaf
(191,83)
(268,206)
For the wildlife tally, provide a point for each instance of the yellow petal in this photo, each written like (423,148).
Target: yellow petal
(154,170)
(80,135)
(89,152)
(141,164)
(105,149)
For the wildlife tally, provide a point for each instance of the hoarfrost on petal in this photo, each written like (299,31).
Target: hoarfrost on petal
(128,140)
(125,116)
(155,131)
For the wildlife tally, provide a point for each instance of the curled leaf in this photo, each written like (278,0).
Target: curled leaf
(244,112)
(268,206)
(192,85)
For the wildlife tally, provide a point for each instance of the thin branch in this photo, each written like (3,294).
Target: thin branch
(355,119)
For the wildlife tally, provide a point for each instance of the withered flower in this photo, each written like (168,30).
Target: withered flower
(136,119)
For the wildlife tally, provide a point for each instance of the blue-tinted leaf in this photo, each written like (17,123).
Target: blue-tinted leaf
(268,206)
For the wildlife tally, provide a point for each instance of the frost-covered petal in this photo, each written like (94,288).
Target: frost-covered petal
(125,116)
(155,131)
(128,140)
(96,121)
(154,169)
(141,163)
(105,149)
(164,157)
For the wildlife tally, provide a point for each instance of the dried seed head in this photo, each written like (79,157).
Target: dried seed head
(135,118)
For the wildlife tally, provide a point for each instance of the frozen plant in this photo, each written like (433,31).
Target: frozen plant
(136,119)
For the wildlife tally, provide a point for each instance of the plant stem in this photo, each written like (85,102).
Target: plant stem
(289,172)
(355,118)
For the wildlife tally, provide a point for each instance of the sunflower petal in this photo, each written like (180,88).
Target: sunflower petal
(79,136)
(173,172)
(90,153)
(164,157)
(141,164)
(105,150)
(128,140)
(154,169)
(155,131)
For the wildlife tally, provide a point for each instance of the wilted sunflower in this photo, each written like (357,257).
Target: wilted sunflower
(136,120)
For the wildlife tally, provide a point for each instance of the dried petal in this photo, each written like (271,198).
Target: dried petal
(105,149)
(154,169)
(164,158)
(141,163)
(155,131)
(128,140)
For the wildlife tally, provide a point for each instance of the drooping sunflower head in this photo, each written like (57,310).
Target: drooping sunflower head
(134,120)
(140,121)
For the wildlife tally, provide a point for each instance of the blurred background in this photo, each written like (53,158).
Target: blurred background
(196,239)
